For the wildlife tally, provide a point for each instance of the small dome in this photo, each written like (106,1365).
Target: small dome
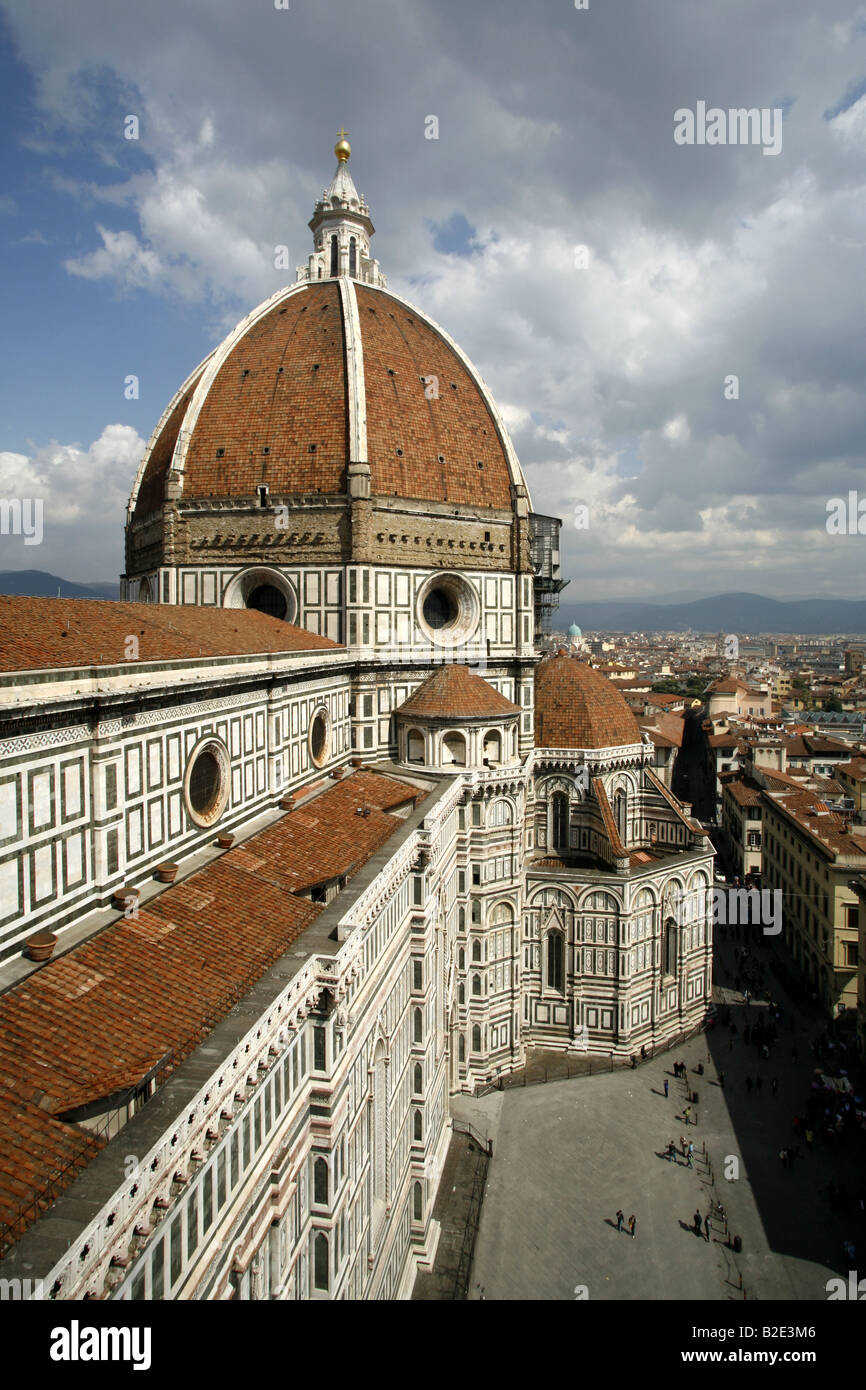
(577,707)
(455,692)
(574,631)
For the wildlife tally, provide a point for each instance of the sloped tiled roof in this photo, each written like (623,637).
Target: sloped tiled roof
(100,1017)
(744,791)
(455,692)
(616,845)
(665,730)
(38,634)
(824,825)
(577,707)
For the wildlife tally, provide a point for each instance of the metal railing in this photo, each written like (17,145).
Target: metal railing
(470,1233)
(466,1127)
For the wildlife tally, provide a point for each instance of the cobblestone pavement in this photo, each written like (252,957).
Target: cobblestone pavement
(568,1154)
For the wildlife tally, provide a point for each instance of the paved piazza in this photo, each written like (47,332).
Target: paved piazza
(568,1154)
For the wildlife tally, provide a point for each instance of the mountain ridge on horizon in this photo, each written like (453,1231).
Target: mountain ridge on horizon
(738,612)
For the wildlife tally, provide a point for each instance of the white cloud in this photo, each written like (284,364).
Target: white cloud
(703,263)
(84,495)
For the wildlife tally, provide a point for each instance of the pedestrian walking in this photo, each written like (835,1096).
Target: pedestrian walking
(683,1146)
(620,1217)
(666,1088)
(698,1222)
(687,1114)
(672,1151)
(689,1155)
(707,1226)
(631,1226)
(722,1079)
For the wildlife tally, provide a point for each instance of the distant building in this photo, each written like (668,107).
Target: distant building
(811,854)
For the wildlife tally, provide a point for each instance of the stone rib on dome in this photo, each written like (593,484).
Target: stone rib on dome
(273,405)
(455,692)
(577,707)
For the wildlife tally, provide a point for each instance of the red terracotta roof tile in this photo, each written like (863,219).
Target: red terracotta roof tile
(283,388)
(55,633)
(98,1019)
(455,692)
(577,707)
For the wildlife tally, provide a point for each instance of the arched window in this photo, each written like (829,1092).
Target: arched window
(320,1261)
(670,944)
(461,1048)
(476,984)
(417,1078)
(320,1181)
(454,751)
(560,820)
(415,747)
(353,257)
(620,815)
(461,993)
(492,752)
(476,949)
(334,258)
(418,1027)
(501,813)
(417,1203)
(554,960)
(461,959)
(417,1127)
(476,1038)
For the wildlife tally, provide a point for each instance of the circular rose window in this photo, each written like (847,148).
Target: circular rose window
(207,782)
(447,609)
(320,737)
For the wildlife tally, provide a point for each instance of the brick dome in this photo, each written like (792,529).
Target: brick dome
(455,692)
(322,375)
(577,707)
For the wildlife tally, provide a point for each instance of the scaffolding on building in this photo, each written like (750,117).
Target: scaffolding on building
(544,550)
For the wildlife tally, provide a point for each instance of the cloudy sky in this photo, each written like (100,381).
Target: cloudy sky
(606,280)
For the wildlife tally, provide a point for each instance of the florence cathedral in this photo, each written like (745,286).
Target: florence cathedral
(304,836)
